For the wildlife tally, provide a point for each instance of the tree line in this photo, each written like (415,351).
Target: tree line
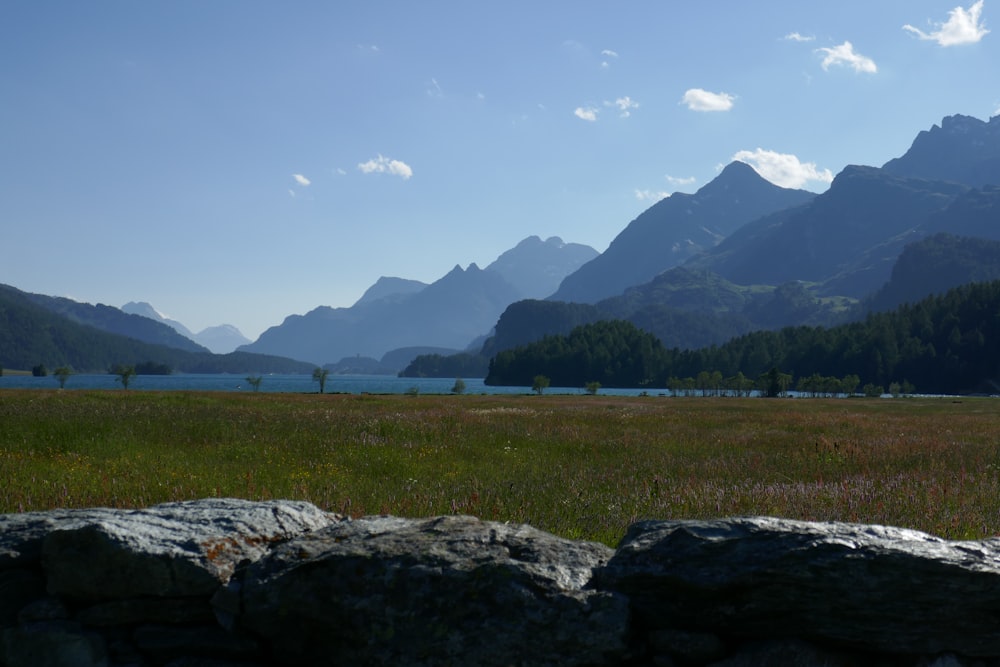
(941,344)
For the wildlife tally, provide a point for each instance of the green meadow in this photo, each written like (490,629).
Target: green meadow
(578,466)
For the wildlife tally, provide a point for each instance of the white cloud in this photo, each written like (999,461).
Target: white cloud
(844,54)
(301,180)
(697,99)
(681,182)
(798,37)
(586,113)
(609,53)
(784,169)
(964,26)
(624,105)
(650,195)
(384,165)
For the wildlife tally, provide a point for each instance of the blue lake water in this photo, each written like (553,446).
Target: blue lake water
(349,384)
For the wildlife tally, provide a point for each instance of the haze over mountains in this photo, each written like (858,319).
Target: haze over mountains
(739,254)
(450,313)
(812,263)
(219,339)
(676,229)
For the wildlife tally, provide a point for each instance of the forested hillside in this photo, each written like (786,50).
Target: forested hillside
(942,344)
(934,265)
(33,335)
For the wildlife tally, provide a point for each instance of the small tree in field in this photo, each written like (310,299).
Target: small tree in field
(254,381)
(593,387)
(459,386)
(62,374)
(124,373)
(320,375)
(540,384)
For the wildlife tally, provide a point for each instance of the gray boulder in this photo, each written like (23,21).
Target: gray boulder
(445,590)
(174,549)
(884,589)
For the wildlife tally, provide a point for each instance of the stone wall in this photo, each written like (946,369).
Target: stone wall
(224,582)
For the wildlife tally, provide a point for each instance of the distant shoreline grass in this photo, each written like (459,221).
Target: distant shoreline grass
(583,467)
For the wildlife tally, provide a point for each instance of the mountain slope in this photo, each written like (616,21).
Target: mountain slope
(962,149)
(535,267)
(449,313)
(32,334)
(676,228)
(864,209)
(112,320)
(220,339)
(934,265)
(386,287)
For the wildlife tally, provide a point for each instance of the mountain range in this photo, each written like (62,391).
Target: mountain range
(676,229)
(739,254)
(219,339)
(819,261)
(450,313)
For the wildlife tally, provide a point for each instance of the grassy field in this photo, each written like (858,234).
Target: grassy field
(578,466)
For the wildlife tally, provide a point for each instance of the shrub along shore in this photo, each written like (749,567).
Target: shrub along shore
(584,467)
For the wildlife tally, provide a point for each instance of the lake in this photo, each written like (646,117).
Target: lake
(349,384)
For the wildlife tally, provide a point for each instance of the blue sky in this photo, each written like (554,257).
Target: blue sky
(237,161)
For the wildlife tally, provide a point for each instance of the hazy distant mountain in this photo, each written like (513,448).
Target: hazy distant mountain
(41,330)
(962,149)
(449,313)
(145,309)
(220,339)
(675,229)
(112,320)
(536,267)
(390,288)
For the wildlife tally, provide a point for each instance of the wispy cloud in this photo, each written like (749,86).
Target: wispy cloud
(964,26)
(384,165)
(697,99)
(681,182)
(651,195)
(586,113)
(301,180)
(609,53)
(434,88)
(624,105)
(845,55)
(784,169)
(798,37)
(657,195)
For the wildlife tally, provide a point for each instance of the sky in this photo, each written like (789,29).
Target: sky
(239,161)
